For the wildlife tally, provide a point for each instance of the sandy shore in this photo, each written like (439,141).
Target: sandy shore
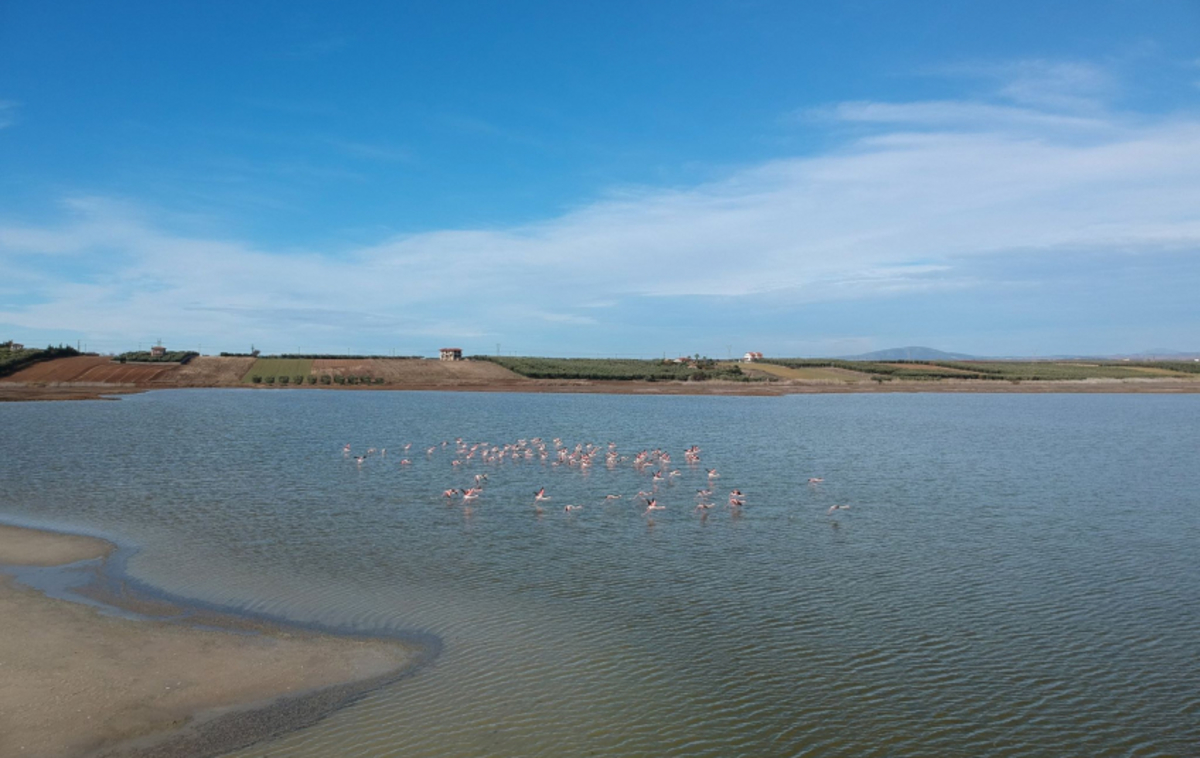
(76,682)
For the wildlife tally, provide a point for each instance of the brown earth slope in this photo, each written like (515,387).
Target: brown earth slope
(210,371)
(93,369)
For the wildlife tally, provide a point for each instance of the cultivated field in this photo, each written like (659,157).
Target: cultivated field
(212,372)
(617,369)
(804,374)
(277,367)
(415,370)
(94,369)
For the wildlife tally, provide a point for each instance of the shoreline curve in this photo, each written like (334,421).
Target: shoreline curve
(80,634)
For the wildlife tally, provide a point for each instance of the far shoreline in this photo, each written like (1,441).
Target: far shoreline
(23,392)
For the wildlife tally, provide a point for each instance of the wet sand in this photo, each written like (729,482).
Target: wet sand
(76,682)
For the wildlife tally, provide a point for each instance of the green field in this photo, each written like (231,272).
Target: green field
(278,367)
(620,369)
(1065,370)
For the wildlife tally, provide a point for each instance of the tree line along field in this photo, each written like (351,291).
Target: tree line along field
(145,356)
(1002,370)
(12,361)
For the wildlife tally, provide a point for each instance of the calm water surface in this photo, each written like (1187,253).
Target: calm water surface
(1016,575)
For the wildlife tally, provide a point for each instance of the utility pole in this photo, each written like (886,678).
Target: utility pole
(497,349)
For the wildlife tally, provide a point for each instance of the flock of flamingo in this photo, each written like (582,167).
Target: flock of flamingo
(654,464)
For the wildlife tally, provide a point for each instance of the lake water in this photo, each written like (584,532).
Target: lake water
(1017,575)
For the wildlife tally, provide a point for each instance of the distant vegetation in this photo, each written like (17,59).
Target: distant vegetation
(328,357)
(12,361)
(337,357)
(144,356)
(897,370)
(1000,370)
(618,369)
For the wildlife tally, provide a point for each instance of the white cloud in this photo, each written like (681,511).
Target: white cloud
(897,210)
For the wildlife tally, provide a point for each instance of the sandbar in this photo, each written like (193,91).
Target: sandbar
(78,682)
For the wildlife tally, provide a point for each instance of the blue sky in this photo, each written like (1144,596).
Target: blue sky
(601,178)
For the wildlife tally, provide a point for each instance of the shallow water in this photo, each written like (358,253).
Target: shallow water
(1016,575)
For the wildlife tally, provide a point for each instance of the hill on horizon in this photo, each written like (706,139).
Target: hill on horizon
(913,353)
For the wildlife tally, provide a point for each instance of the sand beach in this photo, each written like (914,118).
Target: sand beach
(75,681)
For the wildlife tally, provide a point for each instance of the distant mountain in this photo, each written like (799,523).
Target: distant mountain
(910,354)
(1162,353)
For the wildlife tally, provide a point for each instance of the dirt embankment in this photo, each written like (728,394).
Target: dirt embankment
(93,369)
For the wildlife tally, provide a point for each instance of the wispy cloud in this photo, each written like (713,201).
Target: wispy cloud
(8,113)
(1044,84)
(371,151)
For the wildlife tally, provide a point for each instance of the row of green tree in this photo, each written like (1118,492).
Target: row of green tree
(12,361)
(145,356)
(324,379)
(996,370)
(327,356)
